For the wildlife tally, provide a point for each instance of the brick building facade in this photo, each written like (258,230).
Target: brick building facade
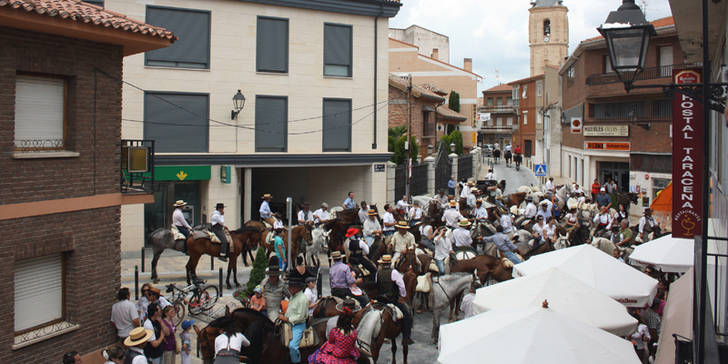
(499,119)
(624,136)
(59,195)
(528,96)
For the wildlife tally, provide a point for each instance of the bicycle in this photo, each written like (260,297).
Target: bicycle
(203,297)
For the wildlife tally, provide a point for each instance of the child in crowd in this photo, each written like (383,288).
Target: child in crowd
(185,339)
(257,302)
(310,293)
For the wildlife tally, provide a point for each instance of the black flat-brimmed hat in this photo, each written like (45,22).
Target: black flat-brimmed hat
(296,282)
(348,305)
(220,205)
(273,271)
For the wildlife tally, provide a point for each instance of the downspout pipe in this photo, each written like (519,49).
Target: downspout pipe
(375,104)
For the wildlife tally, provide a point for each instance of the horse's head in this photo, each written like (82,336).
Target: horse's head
(206,341)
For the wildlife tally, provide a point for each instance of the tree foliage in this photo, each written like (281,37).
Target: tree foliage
(454,101)
(454,137)
(258,272)
(397,138)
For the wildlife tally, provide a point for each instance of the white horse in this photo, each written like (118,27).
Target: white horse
(319,240)
(447,292)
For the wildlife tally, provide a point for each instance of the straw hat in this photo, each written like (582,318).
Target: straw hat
(464,223)
(402,225)
(336,255)
(179,203)
(453,203)
(386,259)
(372,212)
(138,336)
(348,305)
(267,195)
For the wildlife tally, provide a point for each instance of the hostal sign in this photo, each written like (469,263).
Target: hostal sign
(688,165)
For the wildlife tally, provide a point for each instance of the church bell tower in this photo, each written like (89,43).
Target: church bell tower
(548,34)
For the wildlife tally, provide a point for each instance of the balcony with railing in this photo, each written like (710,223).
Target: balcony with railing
(499,109)
(651,73)
(137,166)
(493,127)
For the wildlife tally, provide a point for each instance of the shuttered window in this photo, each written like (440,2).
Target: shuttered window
(192,27)
(337,125)
(38,291)
(337,50)
(39,112)
(177,122)
(271,123)
(272,45)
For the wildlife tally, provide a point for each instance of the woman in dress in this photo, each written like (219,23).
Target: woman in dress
(340,348)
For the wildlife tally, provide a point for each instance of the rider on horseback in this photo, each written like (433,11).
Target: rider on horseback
(402,241)
(358,250)
(341,278)
(217,220)
(390,285)
(647,224)
(265,213)
(461,236)
(504,244)
(305,216)
(372,229)
(296,315)
(178,219)
(451,216)
(321,216)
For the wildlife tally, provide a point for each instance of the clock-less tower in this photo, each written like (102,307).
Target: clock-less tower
(548,34)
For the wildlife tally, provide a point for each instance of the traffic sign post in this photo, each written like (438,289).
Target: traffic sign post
(539,170)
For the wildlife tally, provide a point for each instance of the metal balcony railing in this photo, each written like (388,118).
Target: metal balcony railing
(137,166)
(499,109)
(647,74)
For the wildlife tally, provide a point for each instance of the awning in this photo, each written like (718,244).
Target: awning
(677,318)
(663,201)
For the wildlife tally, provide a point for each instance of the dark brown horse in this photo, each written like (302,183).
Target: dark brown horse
(251,235)
(487,267)
(514,199)
(338,226)
(300,236)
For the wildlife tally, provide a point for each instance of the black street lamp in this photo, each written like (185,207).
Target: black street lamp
(238,103)
(627,33)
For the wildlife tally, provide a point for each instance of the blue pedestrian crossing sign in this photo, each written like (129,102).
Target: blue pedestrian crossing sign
(540,170)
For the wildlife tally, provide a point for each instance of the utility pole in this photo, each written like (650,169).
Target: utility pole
(407,145)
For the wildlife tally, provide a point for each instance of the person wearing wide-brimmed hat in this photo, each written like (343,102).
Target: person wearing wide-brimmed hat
(371,228)
(531,208)
(402,240)
(135,342)
(390,285)
(441,198)
(358,250)
(452,215)
(321,215)
(461,236)
(415,213)
(341,278)
(217,220)
(178,219)
(265,213)
(296,315)
(273,290)
(341,346)
(647,224)
(480,213)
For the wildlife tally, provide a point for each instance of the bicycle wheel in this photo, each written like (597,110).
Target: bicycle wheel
(179,310)
(208,297)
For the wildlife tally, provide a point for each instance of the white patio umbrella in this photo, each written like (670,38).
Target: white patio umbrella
(530,335)
(565,294)
(596,269)
(670,254)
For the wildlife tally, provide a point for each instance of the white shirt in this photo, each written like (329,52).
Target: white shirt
(139,359)
(538,229)
(235,342)
(462,237)
(642,330)
(506,223)
(363,215)
(388,218)
(370,226)
(415,213)
(602,219)
(467,305)
(149,326)
(644,221)
(442,247)
(481,213)
(402,204)
(530,210)
(122,315)
(311,295)
(549,232)
(277,224)
(464,191)
(490,175)
(142,306)
(572,218)
(179,219)
(217,218)
(508,147)
(425,231)
(549,186)
(441,199)
(451,217)
(320,215)
(471,200)
(304,216)
(265,210)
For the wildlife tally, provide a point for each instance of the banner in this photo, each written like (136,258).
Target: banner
(688,166)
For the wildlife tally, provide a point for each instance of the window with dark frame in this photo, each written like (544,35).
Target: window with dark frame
(178,122)
(192,49)
(338,50)
(271,54)
(337,125)
(271,123)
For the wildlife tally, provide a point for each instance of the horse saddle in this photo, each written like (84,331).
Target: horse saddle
(424,283)
(464,254)
(394,311)
(269,237)
(202,234)
(364,272)
(176,234)
(309,339)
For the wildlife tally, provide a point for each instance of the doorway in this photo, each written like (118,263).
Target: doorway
(527,148)
(618,171)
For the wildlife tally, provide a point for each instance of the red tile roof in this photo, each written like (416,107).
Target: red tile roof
(657,23)
(501,87)
(81,12)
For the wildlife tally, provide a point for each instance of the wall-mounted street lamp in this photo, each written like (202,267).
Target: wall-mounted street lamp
(452,147)
(238,103)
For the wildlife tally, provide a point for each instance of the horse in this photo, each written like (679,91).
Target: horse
(299,233)
(252,234)
(447,291)
(507,156)
(514,199)
(265,341)
(375,326)
(337,228)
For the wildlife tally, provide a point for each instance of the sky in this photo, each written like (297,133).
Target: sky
(494,33)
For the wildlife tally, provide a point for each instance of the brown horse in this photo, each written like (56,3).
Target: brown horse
(514,199)
(299,234)
(251,235)
(338,227)
(486,265)
(376,318)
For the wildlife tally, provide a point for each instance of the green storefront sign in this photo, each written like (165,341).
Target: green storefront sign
(181,173)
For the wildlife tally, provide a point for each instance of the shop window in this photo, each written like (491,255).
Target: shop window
(337,125)
(40,113)
(271,126)
(177,122)
(272,45)
(192,27)
(659,184)
(337,50)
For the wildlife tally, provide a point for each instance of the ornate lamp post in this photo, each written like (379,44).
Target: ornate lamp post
(238,104)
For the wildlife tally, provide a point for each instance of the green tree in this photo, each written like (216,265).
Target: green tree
(454,137)
(454,101)
(258,272)
(397,138)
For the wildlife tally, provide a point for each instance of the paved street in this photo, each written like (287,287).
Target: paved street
(514,179)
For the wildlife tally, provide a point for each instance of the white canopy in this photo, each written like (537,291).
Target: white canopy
(597,269)
(667,253)
(677,318)
(565,294)
(530,335)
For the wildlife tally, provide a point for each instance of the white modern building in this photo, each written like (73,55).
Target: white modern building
(314,123)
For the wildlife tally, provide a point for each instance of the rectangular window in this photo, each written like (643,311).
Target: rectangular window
(271,45)
(509,101)
(40,113)
(490,101)
(337,125)
(192,49)
(525,118)
(178,122)
(428,124)
(582,171)
(665,61)
(499,101)
(337,50)
(271,123)
(525,92)
(499,121)
(571,73)
(607,65)
(516,91)
(539,89)
(509,121)
(38,292)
